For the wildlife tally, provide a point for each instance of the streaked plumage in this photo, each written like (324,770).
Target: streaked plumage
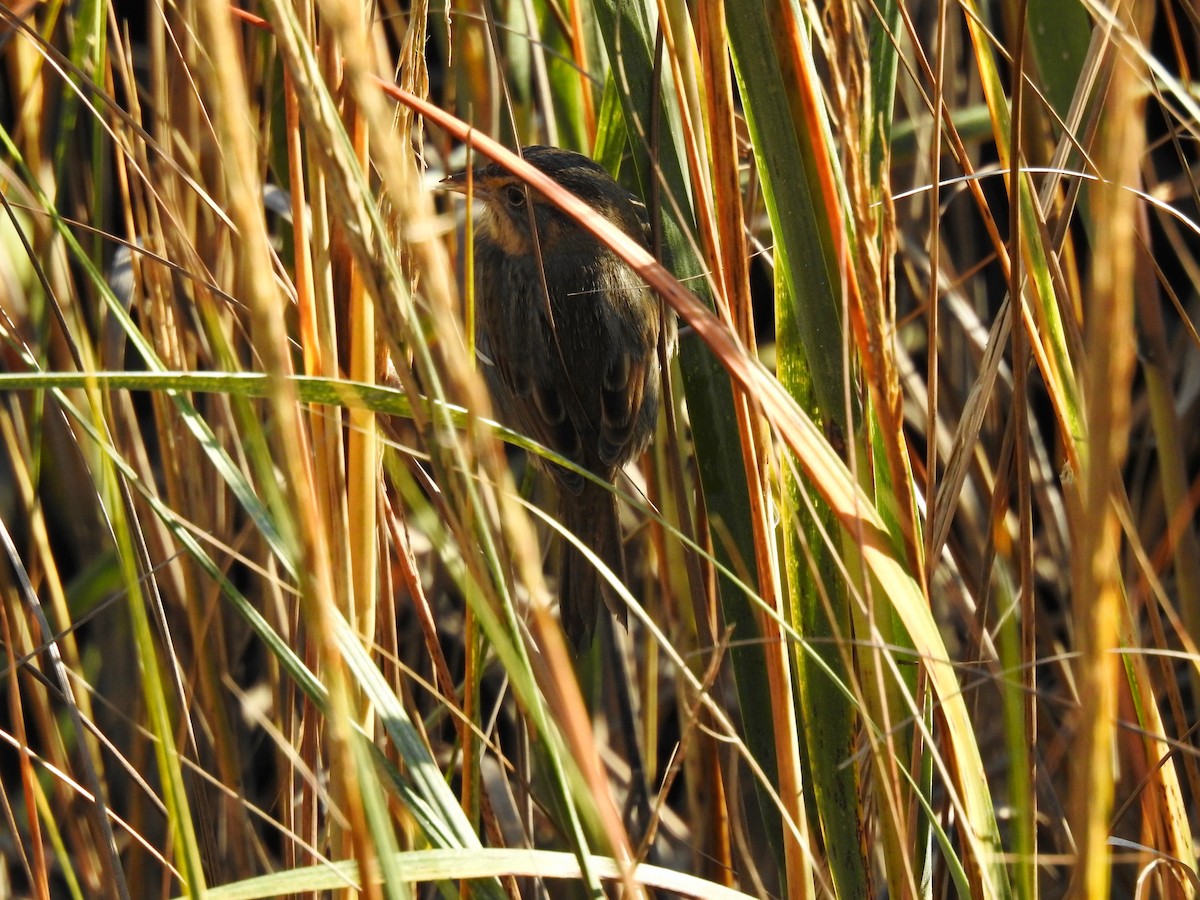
(572,336)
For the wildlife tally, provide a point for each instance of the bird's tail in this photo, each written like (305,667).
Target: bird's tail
(591,516)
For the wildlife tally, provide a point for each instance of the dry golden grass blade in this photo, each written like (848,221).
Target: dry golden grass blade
(1098,593)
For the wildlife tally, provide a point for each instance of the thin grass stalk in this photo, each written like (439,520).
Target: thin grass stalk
(317,586)
(197,674)
(318,343)
(660,145)
(185,845)
(933,302)
(83,358)
(1048,333)
(883,705)
(362,460)
(401,185)
(803,245)
(581,54)
(1016,640)
(732,277)
(24,471)
(868,232)
(472,791)
(704,762)
(1156,368)
(1096,581)
(348,33)
(923,829)
(362,473)
(816,610)
(1163,807)
(35,867)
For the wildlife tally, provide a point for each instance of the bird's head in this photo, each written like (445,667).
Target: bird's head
(513,208)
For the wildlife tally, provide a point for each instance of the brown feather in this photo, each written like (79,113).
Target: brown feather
(573,336)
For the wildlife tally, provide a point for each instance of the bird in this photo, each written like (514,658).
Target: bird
(568,337)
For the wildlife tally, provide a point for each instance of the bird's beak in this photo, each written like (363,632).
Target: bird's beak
(458,184)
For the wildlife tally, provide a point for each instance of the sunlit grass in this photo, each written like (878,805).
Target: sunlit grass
(913,571)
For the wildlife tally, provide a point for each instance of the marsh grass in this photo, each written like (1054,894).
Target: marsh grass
(914,578)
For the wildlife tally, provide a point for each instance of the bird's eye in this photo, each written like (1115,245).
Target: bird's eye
(515,195)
